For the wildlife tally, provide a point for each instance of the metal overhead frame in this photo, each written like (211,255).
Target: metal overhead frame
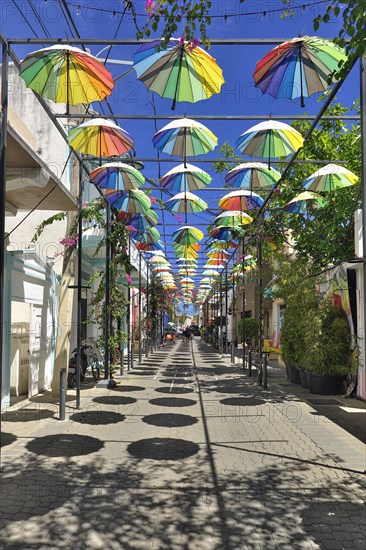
(7,52)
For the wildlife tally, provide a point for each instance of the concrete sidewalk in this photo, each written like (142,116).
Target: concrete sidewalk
(186,453)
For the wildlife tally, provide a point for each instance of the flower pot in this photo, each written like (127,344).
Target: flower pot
(324,384)
(304,379)
(294,373)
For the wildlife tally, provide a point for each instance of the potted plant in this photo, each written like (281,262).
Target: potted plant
(328,350)
(251,331)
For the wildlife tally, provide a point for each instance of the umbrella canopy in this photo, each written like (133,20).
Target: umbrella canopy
(270,139)
(185,137)
(241,200)
(141,222)
(298,68)
(301,203)
(156,253)
(252,175)
(186,280)
(185,178)
(187,235)
(118,176)
(215,255)
(100,137)
(151,248)
(210,273)
(158,260)
(181,72)
(224,233)
(330,178)
(187,271)
(186,202)
(134,201)
(233,218)
(66,74)
(149,236)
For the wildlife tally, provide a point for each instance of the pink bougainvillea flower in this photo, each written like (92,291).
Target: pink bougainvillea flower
(150,6)
(128,279)
(152,200)
(182,40)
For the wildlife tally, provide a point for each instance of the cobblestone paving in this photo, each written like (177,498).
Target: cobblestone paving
(185,454)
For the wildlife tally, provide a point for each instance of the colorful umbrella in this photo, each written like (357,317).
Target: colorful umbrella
(330,178)
(216,255)
(210,273)
(252,175)
(186,202)
(298,68)
(100,137)
(187,271)
(224,233)
(134,201)
(233,218)
(158,260)
(181,72)
(118,176)
(154,247)
(187,235)
(66,74)
(185,178)
(241,200)
(270,139)
(149,236)
(300,203)
(156,253)
(185,137)
(141,222)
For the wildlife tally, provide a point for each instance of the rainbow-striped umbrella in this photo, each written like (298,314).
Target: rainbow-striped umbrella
(186,202)
(182,71)
(241,200)
(298,68)
(100,137)
(134,201)
(185,178)
(252,175)
(149,236)
(304,202)
(224,233)
(270,139)
(66,74)
(187,235)
(329,178)
(152,248)
(185,137)
(141,222)
(118,176)
(233,218)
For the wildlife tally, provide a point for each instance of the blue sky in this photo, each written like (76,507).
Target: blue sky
(238,95)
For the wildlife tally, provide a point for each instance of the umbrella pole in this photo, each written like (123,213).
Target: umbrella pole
(269,149)
(147,313)
(178,78)
(67,81)
(226,308)
(301,80)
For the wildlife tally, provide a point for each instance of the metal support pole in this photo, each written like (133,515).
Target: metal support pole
(140,312)
(3,150)
(265,371)
(128,319)
(243,303)
(232,353)
(62,406)
(147,321)
(250,363)
(79,284)
(220,312)
(260,290)
(363,180)
(121,358)
(107,292)
(226,310)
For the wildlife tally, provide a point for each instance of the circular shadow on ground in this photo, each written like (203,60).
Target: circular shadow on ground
(172,402)
(114,400)
(65,445)
(176,380)
(230,389)
(97,417)
(177,390)
(7,439)
(242,402)
(126,389)
(170,420)
(140,367)
(27,414)
(159,448)
(143,372)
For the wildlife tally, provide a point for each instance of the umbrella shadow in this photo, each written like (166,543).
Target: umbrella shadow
(173,402)
(97,418)
(170,420)
(162,449)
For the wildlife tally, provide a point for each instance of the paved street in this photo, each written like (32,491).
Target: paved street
(186,453)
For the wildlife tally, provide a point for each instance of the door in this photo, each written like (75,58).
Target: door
(34,349)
